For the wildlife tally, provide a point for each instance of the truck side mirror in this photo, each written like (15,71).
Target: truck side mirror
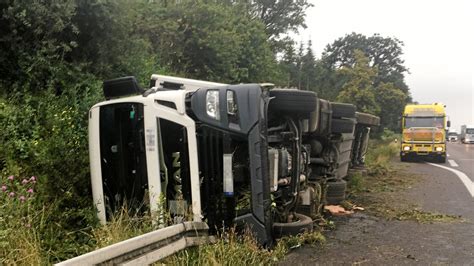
(449,123)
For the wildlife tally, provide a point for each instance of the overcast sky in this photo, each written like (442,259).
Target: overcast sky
(438,37)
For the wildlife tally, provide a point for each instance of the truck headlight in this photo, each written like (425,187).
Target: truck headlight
(439,148)
(231,103)
(406,148)
(212,104)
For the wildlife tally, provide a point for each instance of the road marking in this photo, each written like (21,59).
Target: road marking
(453,163)
(464,179)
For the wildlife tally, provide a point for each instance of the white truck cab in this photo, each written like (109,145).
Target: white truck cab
(129,128)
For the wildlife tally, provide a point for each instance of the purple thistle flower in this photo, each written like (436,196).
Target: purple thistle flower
(22,198)
(24,181)
(4,188)
(11,177)
(11,195)
(30,191)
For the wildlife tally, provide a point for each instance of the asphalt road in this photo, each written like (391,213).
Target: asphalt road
(453,185)
(461,157)
(363,239)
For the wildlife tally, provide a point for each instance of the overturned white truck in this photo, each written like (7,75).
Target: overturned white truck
(244,155)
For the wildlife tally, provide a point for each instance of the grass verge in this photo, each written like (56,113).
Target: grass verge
(232,248)
(381,190)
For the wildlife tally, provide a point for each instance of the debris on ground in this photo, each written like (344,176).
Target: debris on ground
(337,210)
(345,209)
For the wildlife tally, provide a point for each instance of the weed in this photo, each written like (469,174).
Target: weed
(426,217)
(356,182)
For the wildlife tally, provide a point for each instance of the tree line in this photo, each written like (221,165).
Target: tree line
(366,71)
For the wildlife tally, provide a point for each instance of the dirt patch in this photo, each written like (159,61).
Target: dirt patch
(381,194)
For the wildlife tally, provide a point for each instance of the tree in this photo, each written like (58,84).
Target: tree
(392,101)
(105,40)
(288,66)
(359,89)
(384,53)
(207,41)
(279,17)
(31,43)
(308,68)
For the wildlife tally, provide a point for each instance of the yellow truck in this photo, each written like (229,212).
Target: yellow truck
(424,132)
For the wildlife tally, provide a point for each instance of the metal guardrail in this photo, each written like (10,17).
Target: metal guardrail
(147,248)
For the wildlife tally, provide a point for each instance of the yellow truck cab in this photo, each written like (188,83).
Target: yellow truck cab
(424,132)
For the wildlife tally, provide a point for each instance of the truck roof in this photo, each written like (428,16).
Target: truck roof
(435,109)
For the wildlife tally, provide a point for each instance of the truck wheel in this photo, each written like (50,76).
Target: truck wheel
(335,200)
(293,101)
(336,191)
(343,110)
(367,119)
(342,125)
(303,224)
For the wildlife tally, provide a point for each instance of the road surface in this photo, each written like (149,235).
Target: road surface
(363,239)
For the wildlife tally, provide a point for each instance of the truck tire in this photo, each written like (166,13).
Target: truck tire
(343,110)
(342,125)
(336,191)
(367,119)
(303,224)
(336,188)
(287,100)
(335,200)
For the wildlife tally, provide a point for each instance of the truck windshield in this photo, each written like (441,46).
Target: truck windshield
(424,122)
(470,131)
(123,158)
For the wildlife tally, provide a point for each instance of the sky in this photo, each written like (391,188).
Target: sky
(438,39)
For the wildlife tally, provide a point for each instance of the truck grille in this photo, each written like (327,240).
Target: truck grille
(423,135)
(214,205)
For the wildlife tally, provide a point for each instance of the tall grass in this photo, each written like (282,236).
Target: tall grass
(122,226)
(379,155)
(233,248)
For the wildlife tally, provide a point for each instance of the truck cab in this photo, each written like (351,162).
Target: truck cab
(467,133)
(424,132)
